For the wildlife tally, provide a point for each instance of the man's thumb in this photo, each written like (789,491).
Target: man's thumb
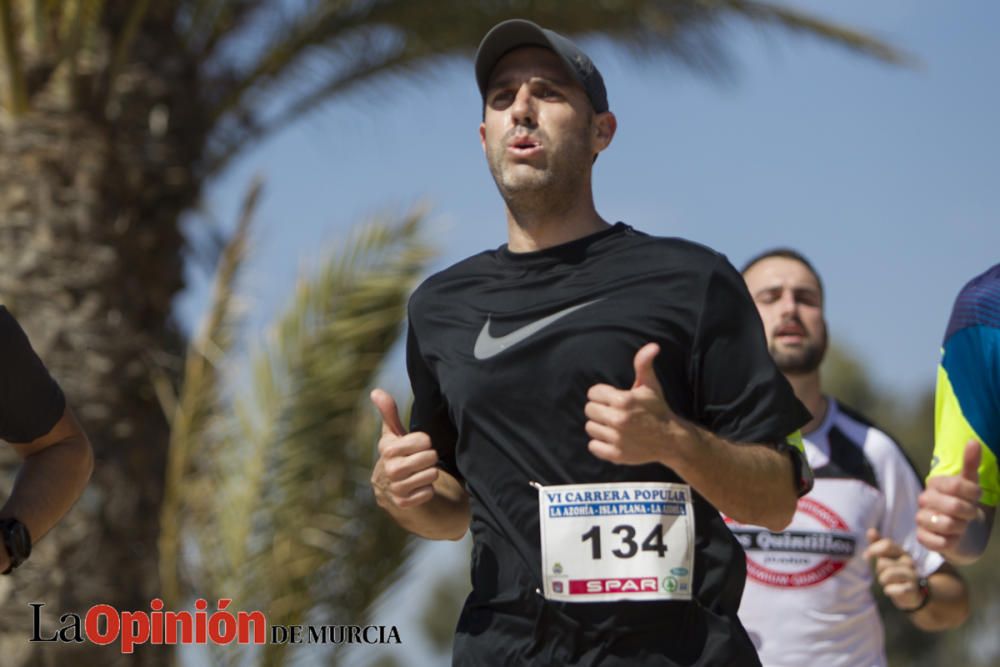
(970,461)
(645,376)
(390,414)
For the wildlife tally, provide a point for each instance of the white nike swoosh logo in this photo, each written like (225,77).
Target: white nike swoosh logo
(487,346)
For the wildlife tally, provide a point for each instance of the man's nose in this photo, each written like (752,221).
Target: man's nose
(522,111)
(787,303)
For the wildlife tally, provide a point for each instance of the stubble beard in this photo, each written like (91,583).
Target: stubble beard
(802,360)
(550,186)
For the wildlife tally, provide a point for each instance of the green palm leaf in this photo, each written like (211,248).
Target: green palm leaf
(198,438)
(276,503)
(309,57)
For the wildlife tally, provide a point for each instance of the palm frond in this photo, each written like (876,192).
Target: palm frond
(207,22)
(189,484)
(794,20)
(49,38)
(300,513)
(77,30)
(15,98)
(330,47)
(38,22)
(124,39)
(442,609)
(284,48)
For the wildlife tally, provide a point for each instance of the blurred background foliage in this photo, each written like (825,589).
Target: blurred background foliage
(225,467)
(267,499)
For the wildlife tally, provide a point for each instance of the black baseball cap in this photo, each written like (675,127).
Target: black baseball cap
(509,35)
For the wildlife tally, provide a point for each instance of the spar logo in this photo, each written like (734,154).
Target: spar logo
(613,585)
(817,547)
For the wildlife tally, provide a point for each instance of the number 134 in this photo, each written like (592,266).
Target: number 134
(628,547)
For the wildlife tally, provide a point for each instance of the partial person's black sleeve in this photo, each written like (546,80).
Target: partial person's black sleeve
(430,412)
(740,394)
(30,400)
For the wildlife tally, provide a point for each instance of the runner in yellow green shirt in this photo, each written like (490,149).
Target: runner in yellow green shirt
(957,508)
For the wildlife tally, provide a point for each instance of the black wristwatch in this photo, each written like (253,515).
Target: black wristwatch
(802,472)
(924,586)
(16,540)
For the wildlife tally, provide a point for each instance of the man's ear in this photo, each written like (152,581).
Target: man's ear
(482,136)
(604,126)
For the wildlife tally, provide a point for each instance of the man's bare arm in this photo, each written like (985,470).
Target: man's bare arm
(945,603)
(408,484)
(752,483)
(54,472)
(949,602)
(977,536)
(441,514)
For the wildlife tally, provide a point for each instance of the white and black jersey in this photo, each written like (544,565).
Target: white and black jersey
(502,349)
(808,599)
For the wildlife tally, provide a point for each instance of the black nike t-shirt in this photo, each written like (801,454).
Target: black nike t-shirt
(30,400)
(501,351)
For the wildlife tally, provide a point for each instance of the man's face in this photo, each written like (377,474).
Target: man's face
(790,304)
(538,127)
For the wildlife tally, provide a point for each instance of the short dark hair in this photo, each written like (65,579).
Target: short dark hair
(785,253)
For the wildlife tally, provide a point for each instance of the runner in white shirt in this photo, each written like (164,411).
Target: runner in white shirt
(808,598)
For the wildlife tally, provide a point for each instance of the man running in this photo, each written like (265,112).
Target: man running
(57,458)
(586,397)
(957,509)
(808,598)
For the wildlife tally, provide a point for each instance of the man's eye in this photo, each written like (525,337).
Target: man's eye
(548,93)
(807,298)
(503,97)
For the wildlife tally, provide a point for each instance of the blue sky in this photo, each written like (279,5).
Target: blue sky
(887,177)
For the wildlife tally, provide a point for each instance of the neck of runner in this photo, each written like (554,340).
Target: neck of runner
(547,227)
(808,390)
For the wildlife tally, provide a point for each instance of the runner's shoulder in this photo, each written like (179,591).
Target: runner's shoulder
(476,266)
(878,446)
(675,245)
(672,254)
(977,303)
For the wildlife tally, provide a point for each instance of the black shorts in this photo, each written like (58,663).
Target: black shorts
(534,631)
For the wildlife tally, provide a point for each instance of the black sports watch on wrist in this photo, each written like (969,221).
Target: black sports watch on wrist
(802,473)
(924,586)
(16,540)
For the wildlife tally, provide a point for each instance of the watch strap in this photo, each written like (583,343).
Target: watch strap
(924,586)
(16,542)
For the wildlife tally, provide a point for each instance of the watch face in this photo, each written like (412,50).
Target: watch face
(20,542)
(17,540)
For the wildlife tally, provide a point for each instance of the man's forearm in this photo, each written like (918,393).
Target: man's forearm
(974,540)
(446,516)
(948,604)
(751,483)
(48,483)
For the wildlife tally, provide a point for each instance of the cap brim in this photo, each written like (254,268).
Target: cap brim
(503,38)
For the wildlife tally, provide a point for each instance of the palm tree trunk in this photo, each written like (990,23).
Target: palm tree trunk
(90,261)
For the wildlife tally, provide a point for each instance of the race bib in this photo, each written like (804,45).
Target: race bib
(621,541)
